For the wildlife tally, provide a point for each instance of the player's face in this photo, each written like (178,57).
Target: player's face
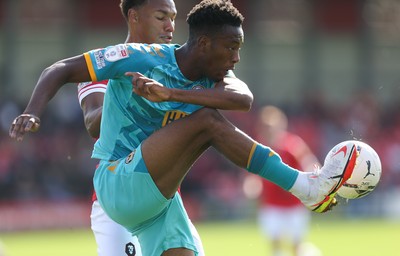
(155,22)
(223,52)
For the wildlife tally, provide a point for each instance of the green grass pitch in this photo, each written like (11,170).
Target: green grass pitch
(335,237)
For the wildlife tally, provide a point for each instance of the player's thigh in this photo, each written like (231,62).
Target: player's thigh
(127,192)
(186,252)
(170,230)
(178,144)
(112,238)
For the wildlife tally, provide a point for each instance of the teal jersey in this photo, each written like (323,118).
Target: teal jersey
(127,118)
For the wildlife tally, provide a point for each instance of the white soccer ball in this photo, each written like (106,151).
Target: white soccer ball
(366,175)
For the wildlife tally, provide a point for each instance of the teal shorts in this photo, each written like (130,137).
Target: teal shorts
(127,193)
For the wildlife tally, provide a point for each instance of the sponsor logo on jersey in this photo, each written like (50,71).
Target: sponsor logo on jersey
(99,58)
(171,116)
(116,53)
(130,249)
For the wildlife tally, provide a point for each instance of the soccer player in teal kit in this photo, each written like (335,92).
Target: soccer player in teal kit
(143,158)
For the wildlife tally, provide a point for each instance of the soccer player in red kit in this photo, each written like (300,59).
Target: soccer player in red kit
(282,217)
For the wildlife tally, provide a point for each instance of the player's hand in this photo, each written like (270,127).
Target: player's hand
(149,88)
(22,124)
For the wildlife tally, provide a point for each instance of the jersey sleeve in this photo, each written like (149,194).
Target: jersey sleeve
(114,61)
(107,62)
(85,89)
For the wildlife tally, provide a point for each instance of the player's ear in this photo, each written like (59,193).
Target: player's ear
(133,16)
(203,42)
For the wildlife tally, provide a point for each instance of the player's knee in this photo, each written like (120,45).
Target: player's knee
(214,120)
(210,121)
(208,115)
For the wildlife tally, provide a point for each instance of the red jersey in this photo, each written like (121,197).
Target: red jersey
(273,194)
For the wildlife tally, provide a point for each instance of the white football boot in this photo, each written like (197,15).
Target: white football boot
(325,182)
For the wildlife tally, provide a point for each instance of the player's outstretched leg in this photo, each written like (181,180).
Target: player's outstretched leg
(324,183)
(171,151)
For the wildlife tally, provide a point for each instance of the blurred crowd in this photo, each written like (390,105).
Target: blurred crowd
(330,65)
(54,164)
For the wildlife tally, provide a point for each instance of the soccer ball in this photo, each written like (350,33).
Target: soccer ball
(366,173)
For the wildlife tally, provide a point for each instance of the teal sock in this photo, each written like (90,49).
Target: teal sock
(268,164)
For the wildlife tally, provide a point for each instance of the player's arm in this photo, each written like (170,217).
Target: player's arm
(50,81)
(91,96)
(234,94)
(92,108)
(229,94)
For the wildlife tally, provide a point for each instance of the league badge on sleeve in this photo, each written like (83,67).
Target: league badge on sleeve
(115,53)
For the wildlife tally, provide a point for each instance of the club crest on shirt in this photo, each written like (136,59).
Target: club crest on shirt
(115,53)
(130,157)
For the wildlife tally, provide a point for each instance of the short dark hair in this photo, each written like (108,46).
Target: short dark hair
(210,15)
(125,5)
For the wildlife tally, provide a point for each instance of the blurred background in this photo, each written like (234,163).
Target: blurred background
(333,66)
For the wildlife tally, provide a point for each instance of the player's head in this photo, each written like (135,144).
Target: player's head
(271,124)
(215,30)
(149,21)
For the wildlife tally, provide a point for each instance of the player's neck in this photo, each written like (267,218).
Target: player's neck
(187,61)
(129,38)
